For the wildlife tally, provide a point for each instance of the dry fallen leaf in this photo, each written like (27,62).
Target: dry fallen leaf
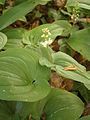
(87,110)
(59,3)
(60,82)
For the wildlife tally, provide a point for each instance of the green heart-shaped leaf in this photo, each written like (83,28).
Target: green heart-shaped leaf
(21,76)
(80,42)
(58,105)
(15,37)
(62,105)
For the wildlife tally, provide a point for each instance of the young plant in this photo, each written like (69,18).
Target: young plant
(26,63)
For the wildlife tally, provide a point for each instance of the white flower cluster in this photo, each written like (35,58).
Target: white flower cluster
(75,15)
(46,35)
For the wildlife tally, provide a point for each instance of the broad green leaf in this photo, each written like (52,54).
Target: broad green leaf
(15,38)
(70,3)
(22,78)
(87,85)
(84,1)
(16,33)
(7,110)
(59,99)
(18,11)
(23,18)
(85,118)
(34,108)
(80,42)
(21,1)
(62,105)
(46,53)
(2,1)
(61,64)
(88,73)
(3,40)
(84,92)
(85,6)
(77,3)
(55,29)
(18,1)
(63,61)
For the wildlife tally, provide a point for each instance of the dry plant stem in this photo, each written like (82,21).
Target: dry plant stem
(87,20)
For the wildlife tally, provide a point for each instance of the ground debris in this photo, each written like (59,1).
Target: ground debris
(61,82)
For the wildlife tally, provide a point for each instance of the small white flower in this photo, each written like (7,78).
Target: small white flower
(45,30)
(46,42)
(49,33)
(46,36)
(43,36)
(50,41)
(46,33)
(43,44)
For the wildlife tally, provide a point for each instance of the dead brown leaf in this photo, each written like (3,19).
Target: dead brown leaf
(60,82)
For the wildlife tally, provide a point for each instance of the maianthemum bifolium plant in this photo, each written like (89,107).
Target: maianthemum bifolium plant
(27,60)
